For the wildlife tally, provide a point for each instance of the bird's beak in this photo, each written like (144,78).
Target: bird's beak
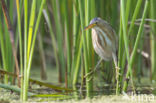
(90,26)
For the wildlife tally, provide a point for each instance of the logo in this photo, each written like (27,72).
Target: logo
(138,97)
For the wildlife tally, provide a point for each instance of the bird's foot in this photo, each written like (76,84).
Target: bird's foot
(117,72)
(88,74)
(92,71)
(90,79)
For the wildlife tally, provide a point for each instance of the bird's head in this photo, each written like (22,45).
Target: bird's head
(94,23)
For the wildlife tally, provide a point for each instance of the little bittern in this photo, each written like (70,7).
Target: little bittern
(104,40)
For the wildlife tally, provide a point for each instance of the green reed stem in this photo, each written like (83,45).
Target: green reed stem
(128,5)
(88,83)
(87,18)
(26,80)
(59,37)
(122,4)
(32,18)
(136,44)
(75,37)
(31,27)
(3,51)
(10,38)
(42,54)
(68,43)
(152,35)
(92,15)
(20,44)
(53,38)
(88,36)
(122,57)
(120,54)
(114,14)
(6,50)
(54,43)
(35,34)
(136,12)
(77,64)
(24,94)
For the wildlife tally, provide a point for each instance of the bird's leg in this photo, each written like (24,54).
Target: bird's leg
(117,73)
(91,72)
(116,66)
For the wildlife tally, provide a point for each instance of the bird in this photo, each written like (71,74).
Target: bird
(104,41)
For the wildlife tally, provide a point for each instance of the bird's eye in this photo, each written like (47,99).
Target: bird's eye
(95,19)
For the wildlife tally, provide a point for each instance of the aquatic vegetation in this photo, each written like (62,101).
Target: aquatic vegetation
(50,34)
